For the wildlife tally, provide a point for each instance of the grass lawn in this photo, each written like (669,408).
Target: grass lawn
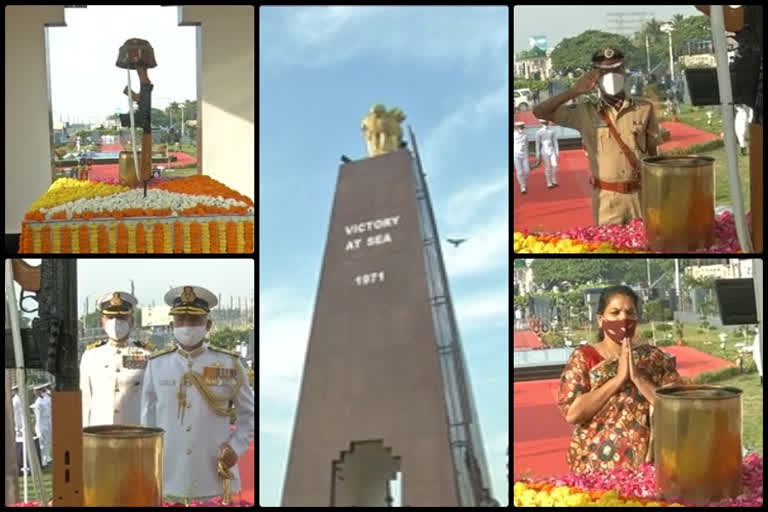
(706,342)
(32,492)
(749,383)
(752,408)
(180,172)
(696,117)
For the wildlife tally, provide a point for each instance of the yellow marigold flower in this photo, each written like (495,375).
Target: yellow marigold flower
(544,500)
(577,500)
(528,498)
(518,235)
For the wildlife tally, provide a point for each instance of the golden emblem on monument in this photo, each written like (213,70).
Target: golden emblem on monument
(381,129)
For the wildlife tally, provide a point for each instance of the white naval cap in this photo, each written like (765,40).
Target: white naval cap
(192,300)
(116,303)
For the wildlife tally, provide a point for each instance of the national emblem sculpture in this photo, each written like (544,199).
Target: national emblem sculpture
(381,129)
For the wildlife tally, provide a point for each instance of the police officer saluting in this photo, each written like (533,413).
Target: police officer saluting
(617,131)
(111,370)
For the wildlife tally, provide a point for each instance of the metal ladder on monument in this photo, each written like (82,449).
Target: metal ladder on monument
(473,480)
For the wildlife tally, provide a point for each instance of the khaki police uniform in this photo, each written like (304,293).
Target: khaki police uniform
(635,121)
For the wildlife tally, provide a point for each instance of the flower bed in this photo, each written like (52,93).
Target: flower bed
(194,214)
(627,488)
(617,238)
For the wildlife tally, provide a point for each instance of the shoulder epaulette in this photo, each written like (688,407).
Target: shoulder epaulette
(223,351)
(166,350)
(95,344)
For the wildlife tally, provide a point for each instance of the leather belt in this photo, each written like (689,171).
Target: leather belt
(622,187)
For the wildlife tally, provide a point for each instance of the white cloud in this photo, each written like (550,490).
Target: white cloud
(459,208)
(483,306)
(283,335)
(471,117)
(320,36)
(486,249)
(279,428)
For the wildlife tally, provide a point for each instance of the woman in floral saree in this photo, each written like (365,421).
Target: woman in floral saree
(606,389)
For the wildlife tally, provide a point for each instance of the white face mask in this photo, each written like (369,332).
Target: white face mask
(116,329)
(188,336)
(612,83)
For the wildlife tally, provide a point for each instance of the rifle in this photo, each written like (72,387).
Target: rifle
(51,345)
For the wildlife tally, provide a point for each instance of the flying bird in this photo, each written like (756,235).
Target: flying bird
(456,241)
(345,159)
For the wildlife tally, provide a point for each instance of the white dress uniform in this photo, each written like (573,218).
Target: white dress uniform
(522,167)
(546,146)
(18,416)
(42,410)
(742,118)
(174,398)
(111,373)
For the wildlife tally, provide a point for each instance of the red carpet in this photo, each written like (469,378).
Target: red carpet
(541,435)
(526,339)
(105,171)
(246,465)
(570,205)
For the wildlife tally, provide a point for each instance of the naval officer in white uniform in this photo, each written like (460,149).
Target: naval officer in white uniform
(111,370)
(191,390)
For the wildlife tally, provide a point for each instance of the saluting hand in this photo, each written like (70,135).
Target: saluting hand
(586,83)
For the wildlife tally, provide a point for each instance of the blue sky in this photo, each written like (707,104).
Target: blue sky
(320,69)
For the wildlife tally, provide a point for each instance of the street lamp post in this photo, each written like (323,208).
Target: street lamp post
(668,28)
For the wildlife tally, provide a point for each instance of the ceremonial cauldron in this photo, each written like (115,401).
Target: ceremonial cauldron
(122,466)
(697,442)
(678,202)
(127,169)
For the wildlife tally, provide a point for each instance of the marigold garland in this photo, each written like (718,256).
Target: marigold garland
(131,238)
(84,235)
(66,241)
(124,239)
(619,238)
(101,235)
(178,238)
(187,238)
(168,238)
(194,234)
(248,237)
(46,234)
(231,237)
(221,229)
(214,239)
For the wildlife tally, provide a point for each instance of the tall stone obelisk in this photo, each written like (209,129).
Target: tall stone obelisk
(373,398)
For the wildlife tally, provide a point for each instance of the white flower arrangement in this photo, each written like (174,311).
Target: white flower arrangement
(156,199)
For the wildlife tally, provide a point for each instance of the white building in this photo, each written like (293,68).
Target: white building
(734,269)
(156,316)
